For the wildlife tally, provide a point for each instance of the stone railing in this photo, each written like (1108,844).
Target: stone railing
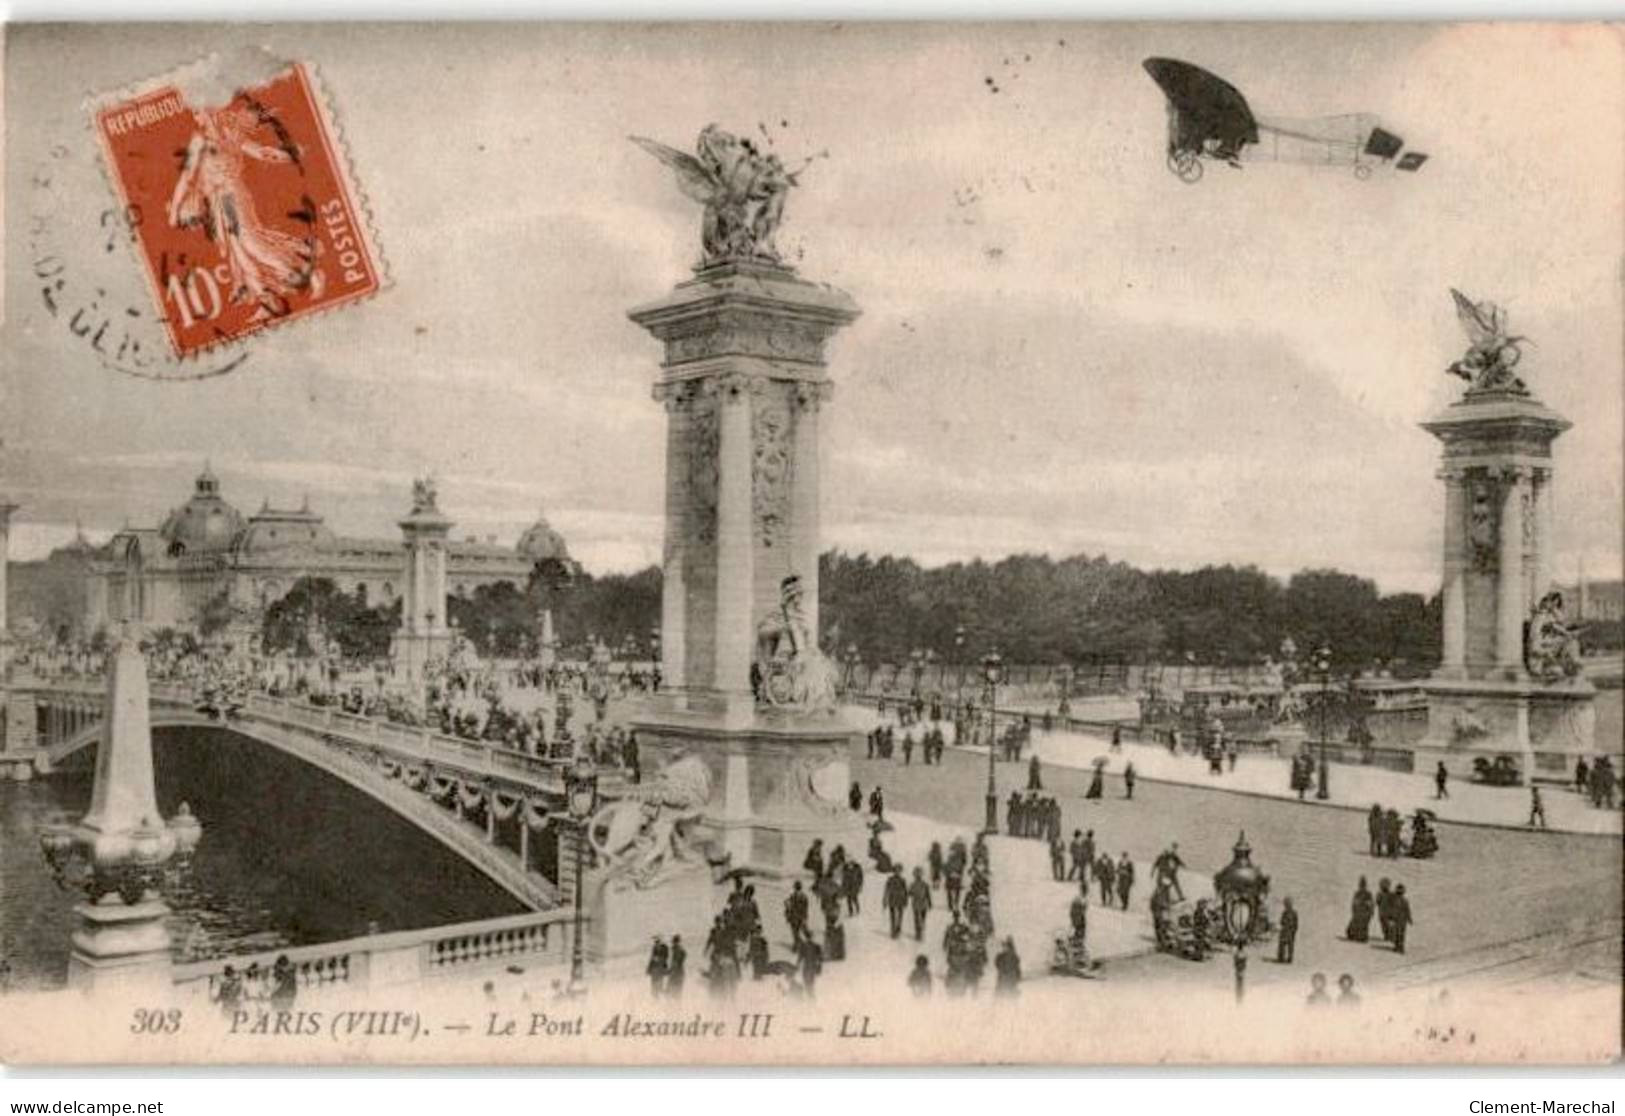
(474,757)
(405,957)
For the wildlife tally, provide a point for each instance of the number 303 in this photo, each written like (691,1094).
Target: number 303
(156,1021)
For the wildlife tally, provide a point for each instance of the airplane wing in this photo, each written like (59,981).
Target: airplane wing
(1209,106)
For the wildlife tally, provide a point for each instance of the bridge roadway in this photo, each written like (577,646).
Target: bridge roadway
(467,794)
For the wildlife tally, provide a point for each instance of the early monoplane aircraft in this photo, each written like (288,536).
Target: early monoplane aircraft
(1208,118)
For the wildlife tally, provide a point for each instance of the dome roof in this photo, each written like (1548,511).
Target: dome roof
(205,523)
(285,528)
(540,542)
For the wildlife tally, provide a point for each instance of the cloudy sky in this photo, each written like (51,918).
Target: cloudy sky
(1063,347)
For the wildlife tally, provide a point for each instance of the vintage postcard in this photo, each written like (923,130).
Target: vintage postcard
(797,544)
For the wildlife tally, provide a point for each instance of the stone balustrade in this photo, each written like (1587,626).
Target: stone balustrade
(407,957)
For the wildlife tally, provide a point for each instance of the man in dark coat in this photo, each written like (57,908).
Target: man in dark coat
(1128,781)
(1057,858)
(934,859)
(1385,913)
(656,968)
(1035,774)
(1289,933)
(1374,828)
(1007,967)
(1106,877)
(795,912)
(919,898)
(1399,917)
(895,900)
(953,883)
(812,963)
(1080,914)
(1125,879)
(1080,858)
(677,968)
(852,886)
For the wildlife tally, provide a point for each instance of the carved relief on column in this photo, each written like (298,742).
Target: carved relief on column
(1484,521)
(771,468)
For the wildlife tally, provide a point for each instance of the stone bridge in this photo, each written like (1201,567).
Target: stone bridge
(501,810)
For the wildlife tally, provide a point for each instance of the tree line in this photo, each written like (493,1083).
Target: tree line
(1031,608)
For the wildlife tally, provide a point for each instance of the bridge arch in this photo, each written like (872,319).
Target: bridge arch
(505,867)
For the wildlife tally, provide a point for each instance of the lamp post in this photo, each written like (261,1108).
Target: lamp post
(851,665)
(1323,667)
(916,665)
(992,674)
(581,798)
(959,667)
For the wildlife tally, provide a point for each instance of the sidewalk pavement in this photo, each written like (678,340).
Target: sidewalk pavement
(1352,786)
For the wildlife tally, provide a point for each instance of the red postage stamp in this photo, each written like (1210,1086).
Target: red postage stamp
(243,210)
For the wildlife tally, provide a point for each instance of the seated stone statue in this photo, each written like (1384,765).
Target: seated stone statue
(793,671)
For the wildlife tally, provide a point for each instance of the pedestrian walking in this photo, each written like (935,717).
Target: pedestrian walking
(1007,970)
(919,978)
(1128,781)
(1400,917)
(1385,913)
(1035,774)
(1287,939)
(1441,780)
(1106,877)
(676,968)
(1373,825)
(1537,808)
(656,968)
(796,908)
(895,900)
(1360,912)
(1125,879)
(919,898)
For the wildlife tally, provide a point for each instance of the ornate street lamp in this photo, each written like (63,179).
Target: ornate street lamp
(992,674)
(916,664)
(1323,667)
(852,660)
(581,799)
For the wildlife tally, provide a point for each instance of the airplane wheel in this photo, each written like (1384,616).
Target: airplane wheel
(1362,172)
(1185,166)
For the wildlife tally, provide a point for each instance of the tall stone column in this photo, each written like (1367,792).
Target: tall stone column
(1541,505)
(805,513)
(1454,593)
(423,633)
(1511,609)
(674,560)
(6,510)
(736,581)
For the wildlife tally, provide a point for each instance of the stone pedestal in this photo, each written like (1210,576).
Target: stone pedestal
(625,920)
(778,782)
(743,382)
(120,946)
(1484,699)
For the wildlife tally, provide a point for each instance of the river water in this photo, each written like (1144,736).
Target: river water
(289,856)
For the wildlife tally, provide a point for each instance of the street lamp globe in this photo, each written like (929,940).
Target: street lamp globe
(993,668)
(582,790)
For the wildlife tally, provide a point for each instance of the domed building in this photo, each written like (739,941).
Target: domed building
(540,543)
(207,553)
(205,524)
